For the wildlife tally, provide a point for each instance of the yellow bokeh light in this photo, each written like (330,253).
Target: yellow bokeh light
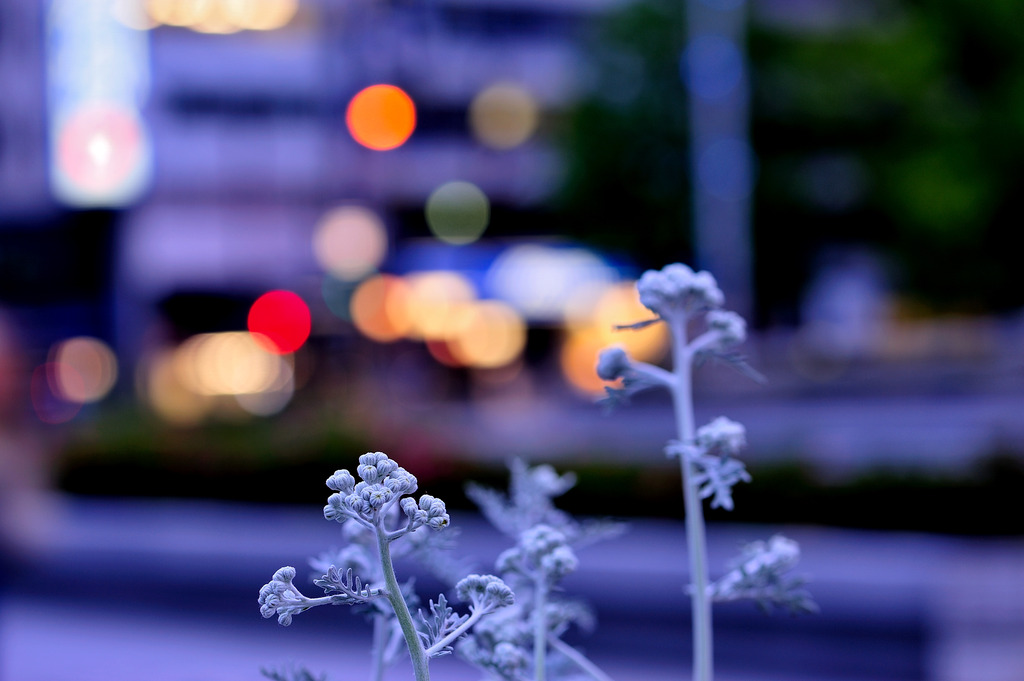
(230,363)
(591,317)
(487,334)
(458,212)
(379,308)
(600,310)
(434,302)
(350,242)
(86,369)
(213,20)
(503,116)
(275,398)
(172,401)
(578,360)
(260,15)
(177,12)
(215,16)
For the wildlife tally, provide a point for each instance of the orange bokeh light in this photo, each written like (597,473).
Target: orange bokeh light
(381,117)
(379,308)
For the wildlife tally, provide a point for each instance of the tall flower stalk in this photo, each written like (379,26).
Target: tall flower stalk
(682,299)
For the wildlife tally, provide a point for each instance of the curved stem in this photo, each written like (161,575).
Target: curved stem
(682,396)
(578,658)
(474,617)
(412,638)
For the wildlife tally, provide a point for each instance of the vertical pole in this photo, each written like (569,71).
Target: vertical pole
(721,161)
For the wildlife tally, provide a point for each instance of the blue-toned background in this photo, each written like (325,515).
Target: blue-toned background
(448,202)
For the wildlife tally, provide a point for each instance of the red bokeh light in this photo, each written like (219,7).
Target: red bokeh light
(280,321)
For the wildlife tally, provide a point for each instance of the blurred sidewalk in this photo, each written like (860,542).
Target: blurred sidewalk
(167,590)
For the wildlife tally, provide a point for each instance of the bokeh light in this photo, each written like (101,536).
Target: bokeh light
(260,15)
(132,13)
(176,12)
(503,116)
(578,361)
(350,242)
(381,117)
(591,317)
(84,369)
(102,154)
(458,212)
(222,16)
(379,308)
(159,381)
(487,334)
(229,363)
(271,401)
(434,302)
(540,280)
(281,318)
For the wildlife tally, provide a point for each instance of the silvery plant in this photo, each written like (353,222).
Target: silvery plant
(507,636)
(382,519)
(517,636)
(524,641)
(690,304)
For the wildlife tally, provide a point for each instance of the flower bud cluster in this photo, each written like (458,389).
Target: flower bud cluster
(729,326)
(280,597)
(546,480)
(485,592)
(723,435)
(541,548)
(383,483)
(676,289)
(612,363)
(429,511)
(499,644)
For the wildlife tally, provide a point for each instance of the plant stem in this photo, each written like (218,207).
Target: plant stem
(412,639)
(540,628)
(581,661)
(473,618)
(682,396)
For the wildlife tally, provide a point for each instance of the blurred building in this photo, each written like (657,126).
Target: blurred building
(229,134)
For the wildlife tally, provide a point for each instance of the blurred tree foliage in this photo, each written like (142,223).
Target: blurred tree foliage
(895,124)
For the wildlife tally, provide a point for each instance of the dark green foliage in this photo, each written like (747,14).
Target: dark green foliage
(898,126)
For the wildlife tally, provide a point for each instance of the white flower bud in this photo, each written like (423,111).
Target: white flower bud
(378,495)
(485,591)
(509,657)
(539,540)
(678,289)
(285,574)
(731,327)
(335,508)
(612,363)
(508,561)
(409,507)
(341,481)
(369,474)
(723,435)
(559,562)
